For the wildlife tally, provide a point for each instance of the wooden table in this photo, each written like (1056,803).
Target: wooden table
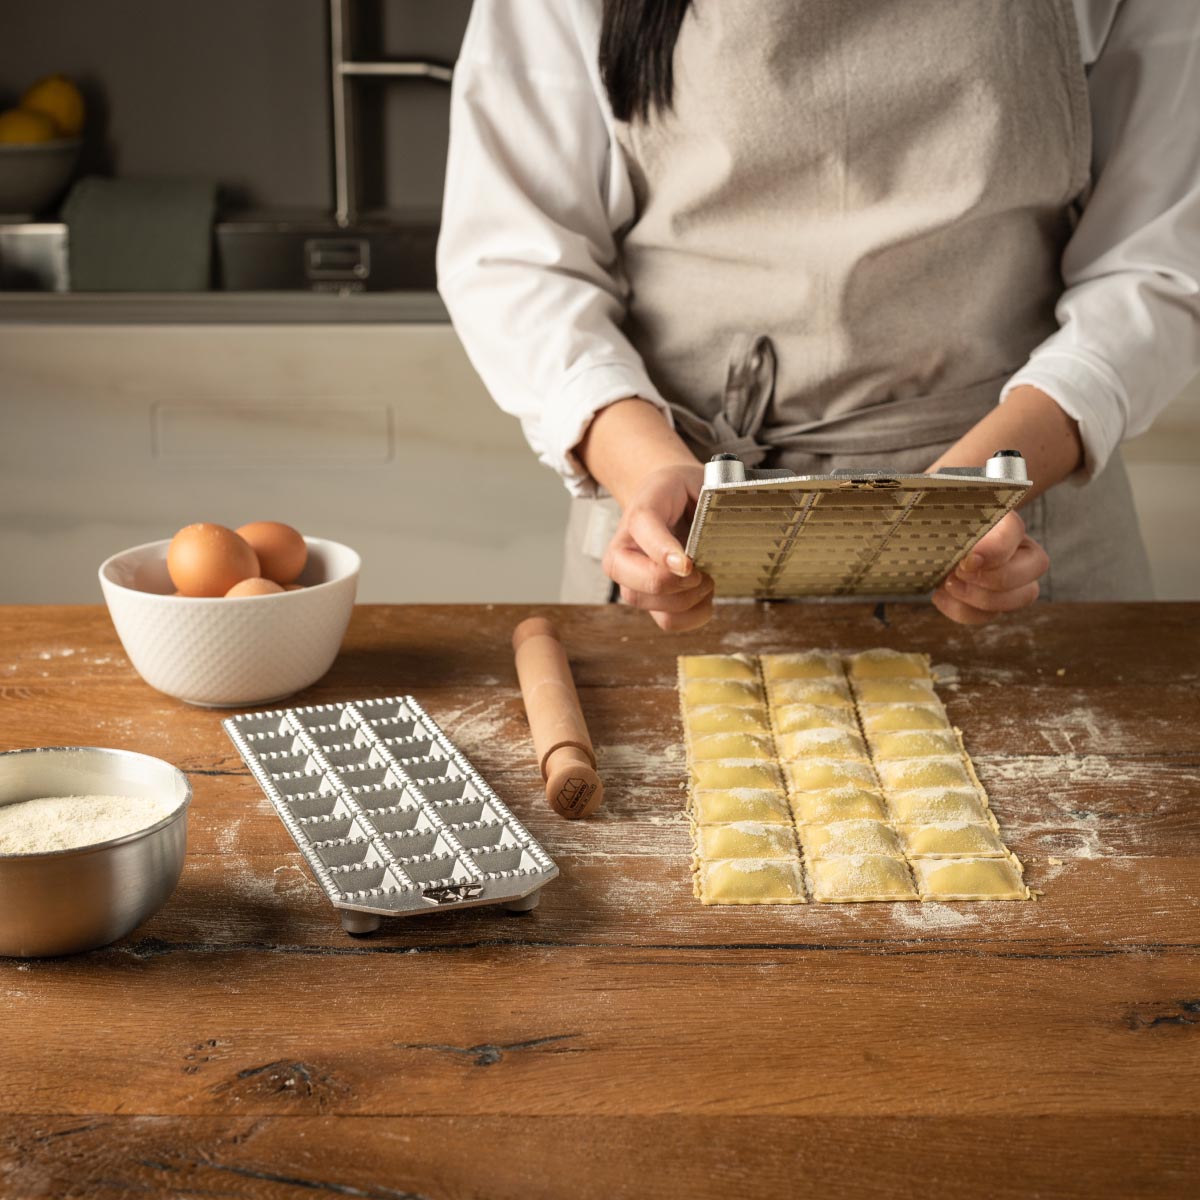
(622,1040)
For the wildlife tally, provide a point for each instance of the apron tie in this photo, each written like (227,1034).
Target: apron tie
(749,390)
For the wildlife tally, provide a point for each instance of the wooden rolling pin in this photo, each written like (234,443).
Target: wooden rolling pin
(560,735)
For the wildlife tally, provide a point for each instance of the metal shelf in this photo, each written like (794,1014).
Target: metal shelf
(344,72)
(397,70)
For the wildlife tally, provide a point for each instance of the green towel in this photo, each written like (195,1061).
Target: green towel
(140,235)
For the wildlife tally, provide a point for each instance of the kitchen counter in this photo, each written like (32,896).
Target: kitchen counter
(222,308)
(621,1039)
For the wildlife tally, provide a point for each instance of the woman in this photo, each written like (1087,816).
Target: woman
(821,234)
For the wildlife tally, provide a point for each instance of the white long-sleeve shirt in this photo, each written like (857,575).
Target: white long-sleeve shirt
(537,192)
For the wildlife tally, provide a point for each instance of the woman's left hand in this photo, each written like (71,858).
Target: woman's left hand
(999,575)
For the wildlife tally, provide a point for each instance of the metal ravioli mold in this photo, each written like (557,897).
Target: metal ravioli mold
(388,812)
(768,534)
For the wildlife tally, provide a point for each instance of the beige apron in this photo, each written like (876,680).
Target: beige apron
(848,237)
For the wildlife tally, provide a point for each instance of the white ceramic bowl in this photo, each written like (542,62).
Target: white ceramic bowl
(224,653)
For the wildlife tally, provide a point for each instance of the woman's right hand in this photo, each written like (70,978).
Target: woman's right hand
(646,559)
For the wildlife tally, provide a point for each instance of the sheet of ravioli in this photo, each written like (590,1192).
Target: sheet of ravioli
(934,801)
(835,777)
(743,834)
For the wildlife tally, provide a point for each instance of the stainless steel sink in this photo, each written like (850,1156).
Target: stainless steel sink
(266,253)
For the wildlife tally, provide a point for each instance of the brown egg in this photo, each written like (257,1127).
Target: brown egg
(254,587)
(293,587)
(281,550)
(207,560)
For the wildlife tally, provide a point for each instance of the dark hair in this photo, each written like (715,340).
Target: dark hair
(637,46)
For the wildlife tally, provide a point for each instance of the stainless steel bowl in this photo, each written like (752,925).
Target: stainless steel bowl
(64,901)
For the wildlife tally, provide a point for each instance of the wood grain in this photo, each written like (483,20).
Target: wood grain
(622,1040)
(546,1158)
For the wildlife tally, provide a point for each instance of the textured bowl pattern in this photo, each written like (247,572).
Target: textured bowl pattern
(229,652)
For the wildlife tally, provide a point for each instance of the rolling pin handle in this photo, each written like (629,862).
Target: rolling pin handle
(588,756)
(560,737)
(572,785)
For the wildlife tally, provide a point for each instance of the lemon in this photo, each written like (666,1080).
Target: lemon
(57,98)
(19,127)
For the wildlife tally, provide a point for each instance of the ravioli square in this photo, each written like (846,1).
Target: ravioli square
(907,774)
(952,839)
(735,773)
(795,718)
(732,745)
(843,838)
(838,804)
(808,664)
(969,879)
(914,743)
(725,718)
(894,691)
(888,664)
(861,877)
(718,666)
(833,693)
(932,806)
(890,718)
(823,743)
(740,693)
(727,806)
(745,839)
(751,881)
(821,774)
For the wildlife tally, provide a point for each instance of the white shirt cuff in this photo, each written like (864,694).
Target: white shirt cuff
(566,418)
(1087,390)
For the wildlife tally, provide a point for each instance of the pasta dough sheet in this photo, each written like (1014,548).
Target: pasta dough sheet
(861,877)
(733,745)
(970,879)
(838,804)
(950,839)
(912,743)
(735,773)
(720,666)
(890,718)
(736,693)
(840,838)
(725,718)
(834,777)
(894,691)
(804,718)
(822,774)
(829,743)
(745,839)
(812,664)
(751,881)
(888,664)
(829,693)
(728,805)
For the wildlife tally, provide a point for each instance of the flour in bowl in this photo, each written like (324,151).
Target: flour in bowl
(67,822)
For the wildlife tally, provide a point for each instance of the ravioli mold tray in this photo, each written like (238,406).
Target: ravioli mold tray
(388,812)
(768,534)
